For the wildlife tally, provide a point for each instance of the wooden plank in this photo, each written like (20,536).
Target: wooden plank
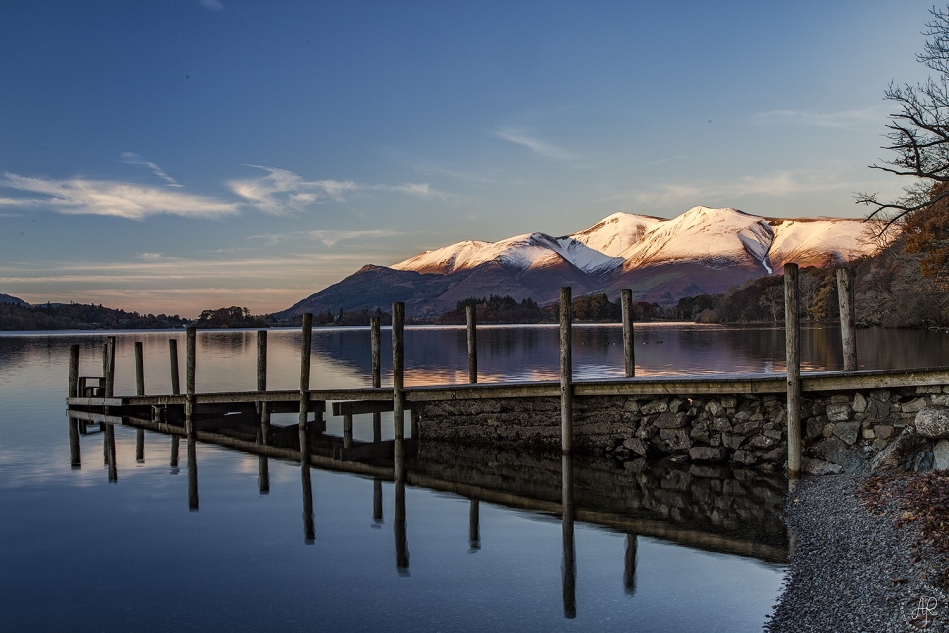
(356,407)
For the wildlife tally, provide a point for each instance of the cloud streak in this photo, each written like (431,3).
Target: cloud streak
(213,5)
(282,191)
(79,196)
(538,146)
(843,119)
(329,238)
(131,158)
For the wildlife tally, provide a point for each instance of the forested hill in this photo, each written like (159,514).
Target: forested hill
(80,316)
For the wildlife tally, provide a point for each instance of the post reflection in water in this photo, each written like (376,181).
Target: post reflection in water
(173,462)
(108,442)
(569,566)
(309,532)
(629,570)
(377,502)
(401,541)
(140,446)
(474,525)
(192,475)
(75,459)
(263,475)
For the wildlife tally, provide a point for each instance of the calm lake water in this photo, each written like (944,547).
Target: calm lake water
(665,549)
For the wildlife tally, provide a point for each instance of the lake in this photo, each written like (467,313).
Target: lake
(480,547)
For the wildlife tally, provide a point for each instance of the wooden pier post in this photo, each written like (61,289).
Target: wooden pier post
(375,337)
(848,317)
(471,318)
(569,555)
(262,384)
(307,332)
(190,352)
(73,385)
(108,366)
(376,502)
(192,474)
(629,568)
(629,350)
(398,383)
(792,337)
(139,369)
(173,361)
(474,525)
(566,372)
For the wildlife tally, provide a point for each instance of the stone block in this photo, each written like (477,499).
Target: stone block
(883,431)
(742,415)
(656,406)
(732,441)
(929,389)
(828,430)
(631,405)
(721,424)
(847,431)
(859,403)
(901,454)
(839,412)
(677,404)
(744,457)
(763,441)
(914,405)
(729,402)
(942,400)
(839,399)
(675,439)
(637,446)
(670,420)
(941,455)
(744,428)
(933,422)
(705,454)
(868,434)
(715,408)
(775,433)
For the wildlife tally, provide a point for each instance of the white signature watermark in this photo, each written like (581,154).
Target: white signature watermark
(922,615)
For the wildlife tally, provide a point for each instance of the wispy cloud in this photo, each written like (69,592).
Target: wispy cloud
(149,257)
(537,146)
(131,158)
(103,197)
(778,184)
(846,119)
(328,237)
(282,191)
(214,5)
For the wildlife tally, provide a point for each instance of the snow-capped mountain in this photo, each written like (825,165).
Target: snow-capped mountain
(703,250)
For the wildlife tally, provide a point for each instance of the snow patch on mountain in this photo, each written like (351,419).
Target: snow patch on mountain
(809,241)
(616,233)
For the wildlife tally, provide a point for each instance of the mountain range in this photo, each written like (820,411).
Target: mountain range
(702,251)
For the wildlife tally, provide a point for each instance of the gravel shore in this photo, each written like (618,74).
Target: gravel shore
(854,571)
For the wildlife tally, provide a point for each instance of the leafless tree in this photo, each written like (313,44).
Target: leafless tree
(773,300)
(918,132)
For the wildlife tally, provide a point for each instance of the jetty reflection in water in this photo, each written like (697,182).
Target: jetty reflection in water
(710,508)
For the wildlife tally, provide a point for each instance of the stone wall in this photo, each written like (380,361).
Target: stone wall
(842,430)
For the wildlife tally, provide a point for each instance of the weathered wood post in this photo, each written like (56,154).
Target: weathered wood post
(471,318)
(629,568)
(139,369)
(108,366)
(175,391)
(173,361)
(848,317)
(192,474)
(629,350)
(262,385)
(569,555)
(375,337)
(376,502)
(73,391)
(307,333)
(398,384)
(474,525)
(190,352)
(566,372)
(73,385)
(792,338)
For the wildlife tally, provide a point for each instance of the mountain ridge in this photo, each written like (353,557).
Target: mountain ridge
(701,251)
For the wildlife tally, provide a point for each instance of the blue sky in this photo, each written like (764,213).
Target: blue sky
(190,154)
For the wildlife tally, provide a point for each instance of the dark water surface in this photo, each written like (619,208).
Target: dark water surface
(664,549)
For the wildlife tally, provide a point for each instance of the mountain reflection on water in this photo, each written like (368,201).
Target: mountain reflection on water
(195,536)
